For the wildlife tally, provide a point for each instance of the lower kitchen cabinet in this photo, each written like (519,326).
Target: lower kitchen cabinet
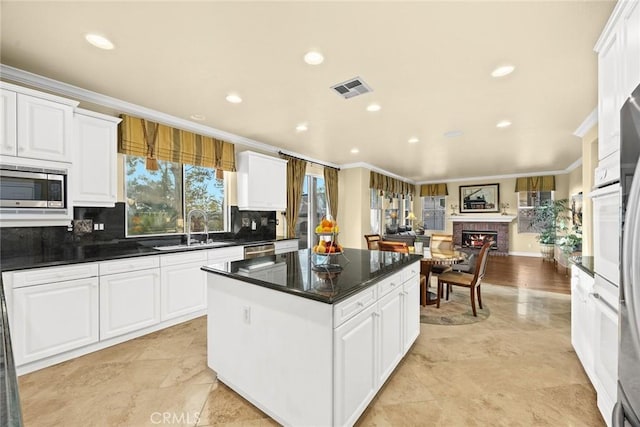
(583,318)
(128,302)
(184,289)
(391,346)
(356,350)
(411,309)
(53,318)
(605,362)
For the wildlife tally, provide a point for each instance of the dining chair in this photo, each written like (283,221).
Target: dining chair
(442,241)
(402,247)
(372,241)
(467,280)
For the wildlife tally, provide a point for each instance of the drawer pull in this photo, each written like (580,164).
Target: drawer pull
(360,304)
(393,285)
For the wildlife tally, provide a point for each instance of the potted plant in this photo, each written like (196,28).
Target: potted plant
(548,220)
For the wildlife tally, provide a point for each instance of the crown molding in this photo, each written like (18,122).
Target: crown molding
(575,165)
(590,121)
(64,89)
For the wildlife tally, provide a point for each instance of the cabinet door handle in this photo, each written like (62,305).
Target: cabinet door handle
(376,314)
(405,293)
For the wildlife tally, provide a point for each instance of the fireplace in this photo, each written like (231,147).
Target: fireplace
(475,239)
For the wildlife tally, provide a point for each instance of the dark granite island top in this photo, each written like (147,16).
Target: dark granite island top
(328,279)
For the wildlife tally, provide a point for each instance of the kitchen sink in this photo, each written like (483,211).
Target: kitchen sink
(193,246)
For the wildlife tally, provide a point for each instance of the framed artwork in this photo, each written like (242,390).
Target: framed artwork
(480,198)
(576,210)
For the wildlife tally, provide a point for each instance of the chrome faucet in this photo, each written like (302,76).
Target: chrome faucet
(206,226)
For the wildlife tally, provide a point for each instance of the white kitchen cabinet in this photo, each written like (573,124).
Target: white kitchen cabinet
(582,318)
(8,133)
(391,318)
(411,309)
(53,318)
(605,363)
(606,232)
(184,284)
(95,159)
(356,373)
(128,302)
(630,22)
(284,246)
(609,95)
(262,182)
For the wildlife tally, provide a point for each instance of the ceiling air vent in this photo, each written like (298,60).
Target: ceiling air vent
(352,87)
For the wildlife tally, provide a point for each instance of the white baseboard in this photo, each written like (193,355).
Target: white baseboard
(530,254)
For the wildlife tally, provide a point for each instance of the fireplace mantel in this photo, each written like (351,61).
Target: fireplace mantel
(482,218)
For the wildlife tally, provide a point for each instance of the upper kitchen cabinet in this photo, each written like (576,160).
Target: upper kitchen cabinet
(262,182)
(94,181)
(36,125)
(618,71)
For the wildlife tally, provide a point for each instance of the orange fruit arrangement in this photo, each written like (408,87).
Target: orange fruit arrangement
(327,226)
(327,247)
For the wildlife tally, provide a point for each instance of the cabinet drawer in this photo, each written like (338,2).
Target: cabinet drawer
(345,310)
(233,253)
(410,272)
(184,258)
(390,283)
(129,264)
(39,276)
(286,246)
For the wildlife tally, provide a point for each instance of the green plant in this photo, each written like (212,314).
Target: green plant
(549,220)
(570,242)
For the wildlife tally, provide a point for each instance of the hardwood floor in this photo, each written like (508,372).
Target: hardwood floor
(528,272)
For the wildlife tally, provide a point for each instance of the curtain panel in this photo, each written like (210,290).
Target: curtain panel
(536,183)
(331,184)
(433,190)
(140,137)
(382,182)
(296,169)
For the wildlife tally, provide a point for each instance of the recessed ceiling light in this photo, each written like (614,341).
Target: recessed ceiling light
(313,58)
(354,151)
(233,98)
(99,41)
(198,117)
(373,107)
(453,133)
(302,127)
(503,124)
(503,70)
(413,140)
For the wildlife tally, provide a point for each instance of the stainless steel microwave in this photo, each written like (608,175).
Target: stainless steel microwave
(27,187)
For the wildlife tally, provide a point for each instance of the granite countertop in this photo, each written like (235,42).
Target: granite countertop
(306,277)
(584,263)
(103,251)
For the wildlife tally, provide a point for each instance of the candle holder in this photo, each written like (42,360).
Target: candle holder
(454,208)
(504,208)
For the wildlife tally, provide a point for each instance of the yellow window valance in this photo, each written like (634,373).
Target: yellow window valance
(536,183)
(382,182)
(140,137)
(433,190)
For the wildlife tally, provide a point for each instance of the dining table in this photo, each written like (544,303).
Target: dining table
(432,259)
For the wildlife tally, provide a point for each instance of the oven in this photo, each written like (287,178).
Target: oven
(27,188)
(262,249)
(606,232)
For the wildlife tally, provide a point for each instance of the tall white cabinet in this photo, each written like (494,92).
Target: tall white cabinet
(95,159)
(262,182)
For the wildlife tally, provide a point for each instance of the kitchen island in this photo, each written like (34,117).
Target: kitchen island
(308,339)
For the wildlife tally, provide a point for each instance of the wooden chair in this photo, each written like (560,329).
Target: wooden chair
(442,241)
(471,281)
(384,245)
(402,247)
(372,241)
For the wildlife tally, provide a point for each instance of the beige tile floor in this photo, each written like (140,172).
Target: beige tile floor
(517,368)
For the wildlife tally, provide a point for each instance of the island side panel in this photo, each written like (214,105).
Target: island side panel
(273,348)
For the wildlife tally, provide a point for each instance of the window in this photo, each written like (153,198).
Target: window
(158,201)
(376,211)
(527,201)
(313,207)
(388,212)
(433,212)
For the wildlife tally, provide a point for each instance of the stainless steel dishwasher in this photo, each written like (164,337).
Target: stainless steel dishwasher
(262,249)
